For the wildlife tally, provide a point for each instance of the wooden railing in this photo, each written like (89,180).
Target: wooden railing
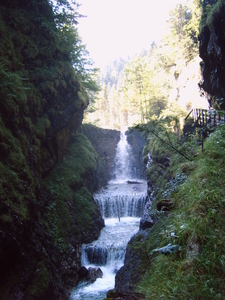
(205,117)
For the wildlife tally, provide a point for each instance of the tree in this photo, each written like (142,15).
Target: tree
(66,17)
(145,82)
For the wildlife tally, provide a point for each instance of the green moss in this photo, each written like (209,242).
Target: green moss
(42,124)
(84,209)
(37,86)
(72,208)
(5,219)
(40,281)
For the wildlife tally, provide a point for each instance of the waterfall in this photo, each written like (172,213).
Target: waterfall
(130,201)
(121,205)
(122,164)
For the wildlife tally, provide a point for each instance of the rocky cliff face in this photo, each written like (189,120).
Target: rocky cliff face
(105,142)
(129,275)
(212,49)
(46,208)
(137,142)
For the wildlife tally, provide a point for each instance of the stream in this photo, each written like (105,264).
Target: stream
(121,205)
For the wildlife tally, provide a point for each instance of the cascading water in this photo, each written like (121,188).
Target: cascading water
(123,156)
(121,205)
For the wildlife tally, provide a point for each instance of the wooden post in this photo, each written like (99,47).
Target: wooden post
(204,117)
(117,204)
(202,140)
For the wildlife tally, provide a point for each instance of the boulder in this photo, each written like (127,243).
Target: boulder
(165,205)
(193,249)
(93,274)
(167,249)
(114,295)
(83,272)
(130,274)
(146,222)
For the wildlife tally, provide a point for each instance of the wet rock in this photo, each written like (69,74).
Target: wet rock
(165,205)
(150,189)
(133,182)
(129,275)
(137,141)
(168,249)
(93,274)
(114,295)
(146,222)
(193,250)
(105,142)
(83,273)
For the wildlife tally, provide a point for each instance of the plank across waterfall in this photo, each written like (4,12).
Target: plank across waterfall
(121,205)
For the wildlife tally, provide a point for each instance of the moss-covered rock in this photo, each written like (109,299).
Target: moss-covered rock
(45,213)
(105,142)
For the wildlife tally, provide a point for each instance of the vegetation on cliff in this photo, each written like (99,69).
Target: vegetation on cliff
(48,170)
(140,89)
(46,82)
(71,210)
(195,224)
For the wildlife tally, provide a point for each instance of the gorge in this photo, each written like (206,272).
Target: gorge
(121,205)
(63,204)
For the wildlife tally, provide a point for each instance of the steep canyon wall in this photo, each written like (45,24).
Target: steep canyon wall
(47,169)
(212,50)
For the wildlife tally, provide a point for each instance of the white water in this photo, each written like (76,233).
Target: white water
(122,160)
(108,252)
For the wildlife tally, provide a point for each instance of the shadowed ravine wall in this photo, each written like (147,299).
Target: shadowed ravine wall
(48,171)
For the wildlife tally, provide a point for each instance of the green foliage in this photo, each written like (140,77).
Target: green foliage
(84,209)
(40,281)
(42,124)
(173,184)
(44,81)
(11,85)
(167,131)
(15,175)
(71,209)
(105,105)
(196,224)
(141,89)
(184,24)
(144,92)
(209,13)
(66,17)
(65,12)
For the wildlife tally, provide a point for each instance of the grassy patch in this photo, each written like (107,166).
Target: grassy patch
(197,225)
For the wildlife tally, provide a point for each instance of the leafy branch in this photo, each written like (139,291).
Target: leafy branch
(158,129)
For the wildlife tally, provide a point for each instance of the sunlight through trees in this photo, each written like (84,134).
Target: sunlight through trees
(146,86)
